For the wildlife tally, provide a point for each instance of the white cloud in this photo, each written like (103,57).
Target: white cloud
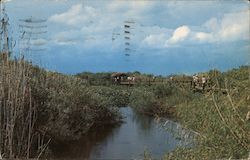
(65,38)
(203,36)
(234,26)
(98,23)
(230,27)
(87,26)
(155,40)
(154,36)
(179,34)
(212,24)
(231,31)
(75,16)
(64,42)
(128,6)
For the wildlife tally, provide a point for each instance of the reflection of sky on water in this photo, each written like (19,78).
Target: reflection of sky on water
(137,134)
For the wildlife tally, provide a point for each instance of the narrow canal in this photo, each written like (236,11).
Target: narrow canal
(138,133)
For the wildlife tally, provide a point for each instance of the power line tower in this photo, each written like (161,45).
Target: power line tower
(32,39)
(115,35)
(129,26)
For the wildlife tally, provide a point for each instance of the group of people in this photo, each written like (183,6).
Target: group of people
(199,81)
(131,79)
(120,79)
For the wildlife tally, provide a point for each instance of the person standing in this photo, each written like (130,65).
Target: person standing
(203,81)
(195,80)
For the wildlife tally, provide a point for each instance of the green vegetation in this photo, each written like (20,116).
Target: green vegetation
(220,119)
(38,106)
(158,100)
(218,116)
(77,107)
(95,78)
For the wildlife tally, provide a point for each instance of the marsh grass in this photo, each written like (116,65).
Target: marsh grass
(39,106)
(17,110)
(220,117)
(160,99)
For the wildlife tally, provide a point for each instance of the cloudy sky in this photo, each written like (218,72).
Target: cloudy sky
(174,36)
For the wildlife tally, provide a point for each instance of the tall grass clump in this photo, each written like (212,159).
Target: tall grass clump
(38,107)
(73,108)
(221,119)
(160,99)
(18,112)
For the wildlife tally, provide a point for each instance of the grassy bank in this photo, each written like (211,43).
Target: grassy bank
(38,106)
(220,119)
(219,116)
(159,100)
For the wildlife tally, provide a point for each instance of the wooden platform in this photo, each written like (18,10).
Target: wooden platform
(131,83)
(194,89)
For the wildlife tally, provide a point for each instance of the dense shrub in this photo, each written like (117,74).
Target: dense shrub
(220,119)
(72,108)
(37,105)
(158,99)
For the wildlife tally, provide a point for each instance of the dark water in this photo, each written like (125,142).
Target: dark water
(137,134)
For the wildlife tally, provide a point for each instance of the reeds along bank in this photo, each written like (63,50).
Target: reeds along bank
(17,112)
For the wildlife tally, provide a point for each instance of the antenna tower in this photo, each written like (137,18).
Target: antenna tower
(32,37)
(129,25)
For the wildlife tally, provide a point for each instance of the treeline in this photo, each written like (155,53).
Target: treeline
(104,78)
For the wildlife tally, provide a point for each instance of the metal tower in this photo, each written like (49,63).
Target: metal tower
(129,25)
(32,38)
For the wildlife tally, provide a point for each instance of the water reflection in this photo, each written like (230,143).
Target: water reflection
(143,122)
(184,136)
(81,148)
(127,141)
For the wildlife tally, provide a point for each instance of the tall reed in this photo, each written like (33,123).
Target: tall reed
(17,111)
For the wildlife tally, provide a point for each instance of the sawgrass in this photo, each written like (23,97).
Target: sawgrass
(38,106)
(220,119)
(218,116)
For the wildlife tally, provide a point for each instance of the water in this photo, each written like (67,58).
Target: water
(137,134)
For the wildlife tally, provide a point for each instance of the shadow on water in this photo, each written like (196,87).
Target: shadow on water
(81,149)
(127,141)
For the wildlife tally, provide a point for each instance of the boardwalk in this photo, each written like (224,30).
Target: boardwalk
(151,82)
(187,83)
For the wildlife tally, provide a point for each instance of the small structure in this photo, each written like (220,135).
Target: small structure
(118,77)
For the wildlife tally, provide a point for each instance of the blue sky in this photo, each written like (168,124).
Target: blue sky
(174,36)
